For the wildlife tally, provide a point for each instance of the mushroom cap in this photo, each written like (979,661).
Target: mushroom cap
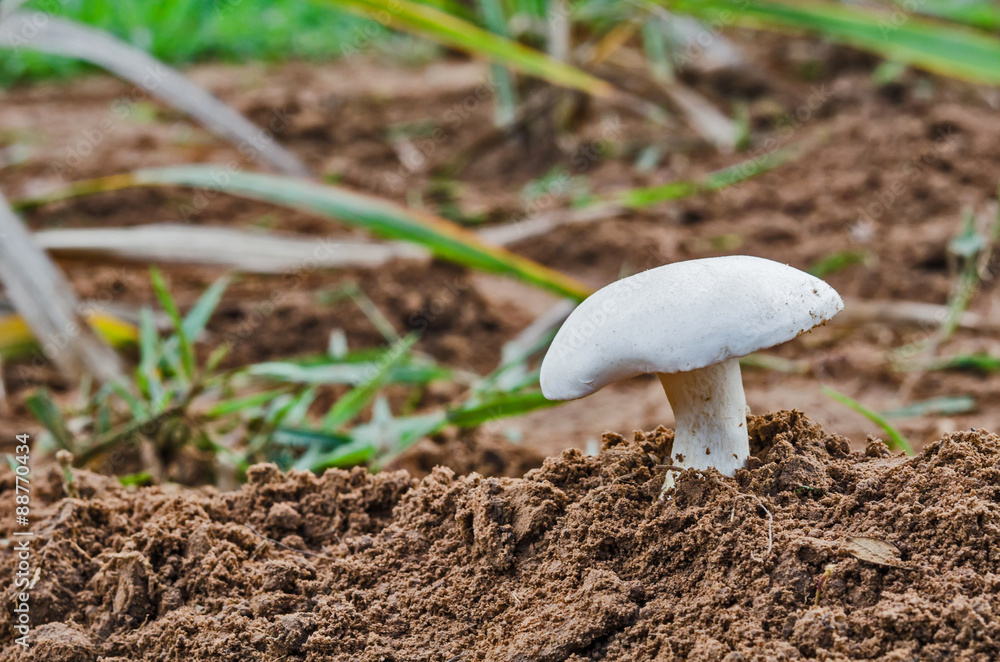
(680,317)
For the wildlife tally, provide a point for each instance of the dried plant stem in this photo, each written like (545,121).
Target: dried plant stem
(42,295)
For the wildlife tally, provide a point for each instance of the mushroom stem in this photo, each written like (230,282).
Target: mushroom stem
(710,410)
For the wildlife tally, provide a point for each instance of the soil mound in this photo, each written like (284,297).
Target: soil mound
(812,553)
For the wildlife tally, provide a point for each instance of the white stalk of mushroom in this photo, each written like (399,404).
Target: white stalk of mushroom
(710,416)
(688,322)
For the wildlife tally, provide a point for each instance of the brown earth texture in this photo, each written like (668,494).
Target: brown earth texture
(578,560)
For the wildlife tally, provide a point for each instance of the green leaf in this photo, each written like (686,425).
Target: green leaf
(497,407)
(197,318)
(382,217)
(45,411)
(353,369)
(170,307)
(236,405)
(141,479)
(838,261)
(981,362)
(506,98)
(391,436)
(295,412)
(138,409)
(455,33)
(896,440)
(307,437)
(148,372)
(332,373)
(352,454)
(350,405)
(650,195)
(371,311)
(983,14)
(949,50)
(945,405)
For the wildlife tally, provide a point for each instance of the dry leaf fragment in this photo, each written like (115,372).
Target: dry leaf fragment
(874,550)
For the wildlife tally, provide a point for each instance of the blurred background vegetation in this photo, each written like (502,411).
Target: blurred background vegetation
(547,60)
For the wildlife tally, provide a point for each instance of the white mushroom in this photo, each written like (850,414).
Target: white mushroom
(689,323)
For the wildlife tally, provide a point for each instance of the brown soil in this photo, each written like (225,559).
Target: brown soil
(579,560)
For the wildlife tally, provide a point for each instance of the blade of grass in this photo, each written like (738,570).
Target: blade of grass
(297,408)
(197,318)
(148,373)
(387,219)
(949,50)
(42,295)
(945,405)
(331,373)
(978,14)
(244,250)
(236,405)
(170,307)
(141,479)
(60,36)
(305,438)
(350,405)
(140,412)
(45,411)
(16,338)
(591,208)
(506,101)
(643,197)
(499,406)
(981,362)
(453,32)
(837,261)
(896,440)
(368,308)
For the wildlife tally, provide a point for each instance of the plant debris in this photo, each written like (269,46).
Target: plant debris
(874,550)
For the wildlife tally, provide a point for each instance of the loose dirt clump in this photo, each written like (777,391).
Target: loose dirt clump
(578,560)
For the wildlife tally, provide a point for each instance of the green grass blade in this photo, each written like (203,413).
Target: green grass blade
(197,318)
(394,436)
(138,409)
(350,405)
(387,219)
(896,440)
(295,411)
(351,454)
(370,310)
(945,405)
(332,373)
(506,100)
(45,411)
(497,407)
(455,33)
(949,50)
(650,195)
(236,405)
(837,261)
(980,362)
(141,479)
(63,37)
(148,372)
(983,14)
(170,307)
